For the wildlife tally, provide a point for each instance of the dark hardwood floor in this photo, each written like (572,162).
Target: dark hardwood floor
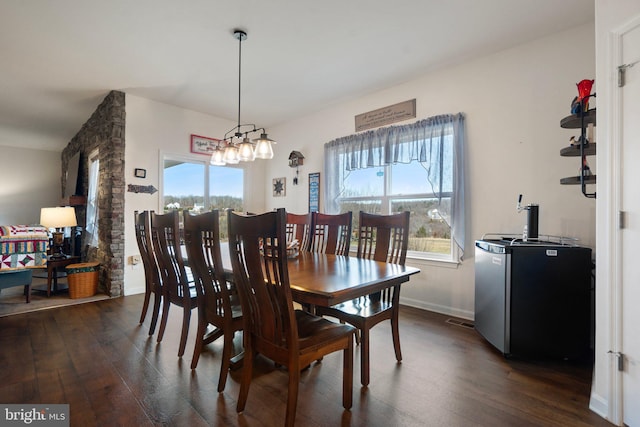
(97,358)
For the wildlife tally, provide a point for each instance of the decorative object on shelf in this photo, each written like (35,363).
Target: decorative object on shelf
(585,170)
(296,159)
(580,103)
(227,151)
(279,187)
(314,192)
(58,218)
(140,173)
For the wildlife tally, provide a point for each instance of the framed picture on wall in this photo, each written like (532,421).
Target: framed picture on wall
(279,187)
(314,192)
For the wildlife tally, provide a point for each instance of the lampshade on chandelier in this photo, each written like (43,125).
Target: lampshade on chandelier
(236,146)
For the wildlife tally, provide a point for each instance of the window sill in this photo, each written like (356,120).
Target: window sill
(430,262)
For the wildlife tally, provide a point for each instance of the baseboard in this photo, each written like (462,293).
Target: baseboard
(599,405)
(133,290)
(442,309)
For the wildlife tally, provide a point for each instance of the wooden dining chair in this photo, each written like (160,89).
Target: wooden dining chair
(176,289)
(331,234)
(152,283)
(299,227)
(217,305)
(291,338)
(382,238)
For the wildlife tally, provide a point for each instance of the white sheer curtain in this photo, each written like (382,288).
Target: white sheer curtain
(92,201)
(421,141)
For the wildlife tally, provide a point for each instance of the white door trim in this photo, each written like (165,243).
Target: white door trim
(614,144)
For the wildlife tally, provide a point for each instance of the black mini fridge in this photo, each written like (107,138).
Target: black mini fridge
(534,299)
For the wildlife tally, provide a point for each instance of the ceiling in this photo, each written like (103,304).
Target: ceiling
(60,58)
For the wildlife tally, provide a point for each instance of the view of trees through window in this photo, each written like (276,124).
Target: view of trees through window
(399,188)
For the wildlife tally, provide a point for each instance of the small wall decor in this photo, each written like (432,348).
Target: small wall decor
(296,159)
(279,187)
(140,173)
(204,145)
(149,189)
(314,192)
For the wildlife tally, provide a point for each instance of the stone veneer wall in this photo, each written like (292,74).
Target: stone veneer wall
(103,131)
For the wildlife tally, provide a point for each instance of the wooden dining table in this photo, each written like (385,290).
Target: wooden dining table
(318,279)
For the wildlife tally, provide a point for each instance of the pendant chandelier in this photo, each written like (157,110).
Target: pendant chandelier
(236,145)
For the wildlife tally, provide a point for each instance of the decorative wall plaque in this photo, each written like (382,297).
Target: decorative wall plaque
(149,189)
(203,144)
(279,187)
(314,192)
(386,115)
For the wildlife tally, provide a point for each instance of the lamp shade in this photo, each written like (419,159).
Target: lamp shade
(58,217)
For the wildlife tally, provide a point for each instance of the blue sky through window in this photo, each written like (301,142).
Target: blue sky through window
(188,179)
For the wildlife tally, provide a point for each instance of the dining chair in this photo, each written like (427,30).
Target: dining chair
(217,305)
(299,227)
(152,283)
(381,238)
(331,234)
(165,234)
(291,338)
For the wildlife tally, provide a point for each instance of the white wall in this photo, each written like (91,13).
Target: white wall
(154,129)
(611,15)
(31,180)
(513,102)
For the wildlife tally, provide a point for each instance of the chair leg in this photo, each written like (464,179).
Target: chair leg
(197,349)
(226,360)
(347,376)
(292,396)
(157,299)
(395,333)
(247,373)
(165,315)
(145,305)
(364,356)
(186,318)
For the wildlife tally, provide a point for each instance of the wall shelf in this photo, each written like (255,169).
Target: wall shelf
(582,150)
(575,180)
(574,150)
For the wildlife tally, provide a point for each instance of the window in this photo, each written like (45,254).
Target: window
(92,199)
(196,186)
(415,167)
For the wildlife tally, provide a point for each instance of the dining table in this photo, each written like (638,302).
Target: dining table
(318,279)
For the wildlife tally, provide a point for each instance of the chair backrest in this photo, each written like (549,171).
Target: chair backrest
(383,237)
(143,236)
(165,235)
(331,234)
(202,241)
(257,247)
(299,227)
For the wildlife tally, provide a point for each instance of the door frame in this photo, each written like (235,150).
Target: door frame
(614,143)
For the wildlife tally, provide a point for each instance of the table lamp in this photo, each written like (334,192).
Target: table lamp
(58,218)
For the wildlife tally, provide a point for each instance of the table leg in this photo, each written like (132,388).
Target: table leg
(50,271)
